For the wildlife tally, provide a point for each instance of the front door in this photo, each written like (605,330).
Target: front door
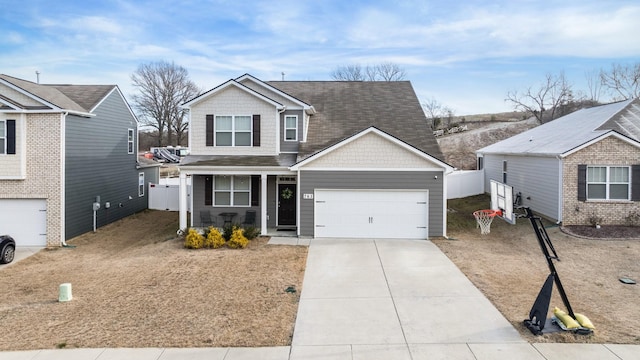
(286,204)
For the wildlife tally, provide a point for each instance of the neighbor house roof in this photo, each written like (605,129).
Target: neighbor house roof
(345,108)
(559,137)
(75,98)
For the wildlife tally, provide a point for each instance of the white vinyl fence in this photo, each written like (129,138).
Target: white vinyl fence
(167,197)
(463,183)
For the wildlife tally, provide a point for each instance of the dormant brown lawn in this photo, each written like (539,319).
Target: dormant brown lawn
(134,285)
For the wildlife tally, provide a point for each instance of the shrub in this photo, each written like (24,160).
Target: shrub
(193,240)
(251,232)
(238,240)
(227,230)
(214,239)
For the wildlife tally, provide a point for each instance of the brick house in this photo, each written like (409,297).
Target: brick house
(63,148)
(321,158)
(580,169)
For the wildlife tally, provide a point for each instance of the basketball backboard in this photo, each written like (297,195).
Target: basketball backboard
(502,199)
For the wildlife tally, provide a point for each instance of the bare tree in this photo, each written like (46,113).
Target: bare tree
(348,73)
(594,85)
(386,71)
(163,88)
(622,81)
(436,112)
(545,100)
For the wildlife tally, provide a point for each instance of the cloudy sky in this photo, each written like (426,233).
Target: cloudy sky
(465,54)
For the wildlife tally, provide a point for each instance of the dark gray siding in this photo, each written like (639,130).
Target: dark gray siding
(97,163)
(271,201)
(291,146)
(405,180)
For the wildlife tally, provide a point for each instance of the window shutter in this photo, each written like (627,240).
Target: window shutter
(582,182)
(256,130)
(635,182)
(11,136)
(209,130)
(255,190)
(208,190)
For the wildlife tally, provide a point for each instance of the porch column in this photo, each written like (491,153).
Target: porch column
(263,204)
(182,201)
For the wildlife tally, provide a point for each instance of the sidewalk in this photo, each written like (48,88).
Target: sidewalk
(379,299)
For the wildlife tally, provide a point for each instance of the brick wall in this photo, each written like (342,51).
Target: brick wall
(43,178)
(610,151)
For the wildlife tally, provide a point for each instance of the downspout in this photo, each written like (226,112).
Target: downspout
(63,156)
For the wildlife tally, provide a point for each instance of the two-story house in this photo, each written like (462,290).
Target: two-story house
(326,158)
(64,148)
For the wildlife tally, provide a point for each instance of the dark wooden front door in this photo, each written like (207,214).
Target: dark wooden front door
(286,204)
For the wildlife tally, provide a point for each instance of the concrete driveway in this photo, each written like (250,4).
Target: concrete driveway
(22,252)
(392,299)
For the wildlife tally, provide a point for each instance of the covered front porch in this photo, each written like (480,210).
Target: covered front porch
(265,199)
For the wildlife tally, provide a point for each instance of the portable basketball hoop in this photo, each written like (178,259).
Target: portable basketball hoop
(484,219)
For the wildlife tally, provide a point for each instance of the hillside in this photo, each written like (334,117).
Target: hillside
(459,148)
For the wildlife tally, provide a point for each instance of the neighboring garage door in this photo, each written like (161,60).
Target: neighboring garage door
(379,214)
(25,220)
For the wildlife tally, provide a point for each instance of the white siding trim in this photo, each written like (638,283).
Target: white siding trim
(373,169)
(597,139)
(63,179)
(560,189)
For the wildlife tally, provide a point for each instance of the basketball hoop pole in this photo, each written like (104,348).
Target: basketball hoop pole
(538,313)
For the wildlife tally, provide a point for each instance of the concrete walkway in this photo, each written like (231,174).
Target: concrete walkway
(382,299)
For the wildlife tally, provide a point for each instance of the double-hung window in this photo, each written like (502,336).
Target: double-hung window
(233,130)
(291,128)
(232,191)
(3,138)
(130,141)
(608,183)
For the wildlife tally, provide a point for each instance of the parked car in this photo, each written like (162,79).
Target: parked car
(7,249)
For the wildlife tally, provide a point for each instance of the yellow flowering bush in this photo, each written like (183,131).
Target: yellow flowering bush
(214,239)
(238,240)
(193,240)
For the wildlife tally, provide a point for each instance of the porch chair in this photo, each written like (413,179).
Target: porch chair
(249,218)
(205,219)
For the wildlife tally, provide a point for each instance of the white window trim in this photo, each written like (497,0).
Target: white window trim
(3,126)
(231,192)
(131,138)
(140,184)
(233,131)
(504,172)
(607,183)
(288,128)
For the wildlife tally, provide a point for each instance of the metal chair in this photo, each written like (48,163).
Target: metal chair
(205,219)
(249,218)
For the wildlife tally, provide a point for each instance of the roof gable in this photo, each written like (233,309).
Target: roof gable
(226,85)
(78,99)
(247,78)
(371,149)
(566,133)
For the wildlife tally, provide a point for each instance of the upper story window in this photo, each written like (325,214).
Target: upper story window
(291,128)
(233,130)
(3,138)
(7,136)
(130,141)
(608,183)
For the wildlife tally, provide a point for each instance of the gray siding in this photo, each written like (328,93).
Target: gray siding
(311,180)
(291,146)
(537,178)
(97,164)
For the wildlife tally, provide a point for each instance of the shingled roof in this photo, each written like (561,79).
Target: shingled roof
(563,135)
(76,98)
(345,108)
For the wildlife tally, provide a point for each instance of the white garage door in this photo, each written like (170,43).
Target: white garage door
(25,220)
(371,214)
